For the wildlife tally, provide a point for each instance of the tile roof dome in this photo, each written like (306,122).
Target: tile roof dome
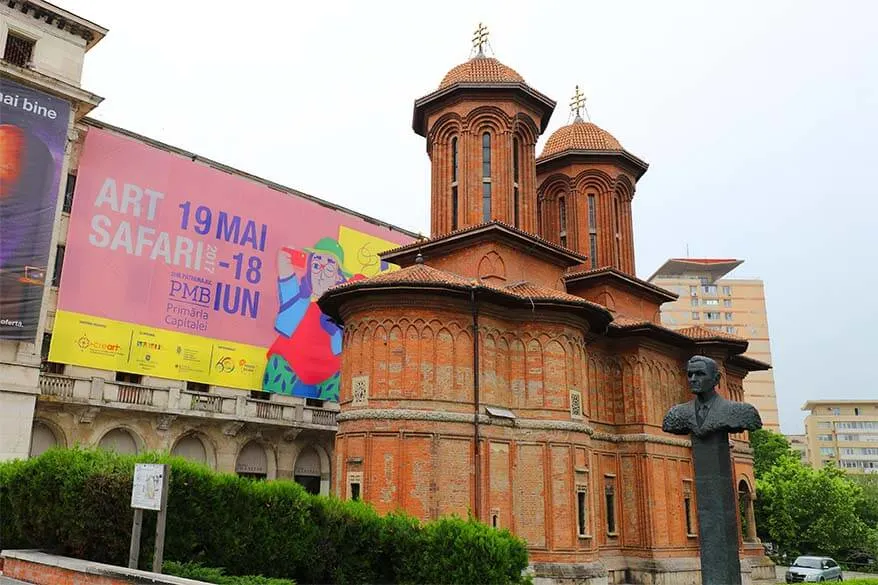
(481,69)
(580,135)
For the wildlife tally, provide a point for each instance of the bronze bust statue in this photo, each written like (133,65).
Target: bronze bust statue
(708,412)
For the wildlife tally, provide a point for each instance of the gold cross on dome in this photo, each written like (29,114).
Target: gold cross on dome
(577,104)
(480,38)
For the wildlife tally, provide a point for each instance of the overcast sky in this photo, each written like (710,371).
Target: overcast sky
(758,119)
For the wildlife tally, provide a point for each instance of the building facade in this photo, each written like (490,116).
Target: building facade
(799,446)
(843,433)
(731,305)
(515,367)
(61,383)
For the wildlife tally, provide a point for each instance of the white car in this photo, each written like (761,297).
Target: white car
(813,569)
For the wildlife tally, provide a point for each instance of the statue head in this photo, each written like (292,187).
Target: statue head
(703,374)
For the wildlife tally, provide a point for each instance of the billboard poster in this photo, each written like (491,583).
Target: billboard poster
(178,270)
(33,138)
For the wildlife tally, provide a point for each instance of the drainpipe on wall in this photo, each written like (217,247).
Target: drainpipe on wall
(477,455)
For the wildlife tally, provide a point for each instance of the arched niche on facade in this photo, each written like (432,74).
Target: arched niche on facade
(194,447)
(745,505)
(307,470)
(44,436)
(254,462)
(312,468)
(120,440)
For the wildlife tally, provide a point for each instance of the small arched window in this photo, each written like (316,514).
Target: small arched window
(562,219)
(486,177)
(454,201)
(515,175)
(592,230)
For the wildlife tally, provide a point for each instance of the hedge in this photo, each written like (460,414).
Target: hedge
(76,502)
(217,576)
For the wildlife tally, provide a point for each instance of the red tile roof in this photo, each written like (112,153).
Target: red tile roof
(703,333)
(514,230)
(421,274)
(481,70)
(580,135)
(594,273)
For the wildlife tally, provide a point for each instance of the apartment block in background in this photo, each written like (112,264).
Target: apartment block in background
(843,432)
(730,305)
(799,445)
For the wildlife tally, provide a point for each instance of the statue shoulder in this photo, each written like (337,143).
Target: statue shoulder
(746,416)
(677,419)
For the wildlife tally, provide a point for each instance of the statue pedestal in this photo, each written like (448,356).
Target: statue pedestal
(717,510)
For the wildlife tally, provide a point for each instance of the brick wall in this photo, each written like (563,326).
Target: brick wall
(46,575)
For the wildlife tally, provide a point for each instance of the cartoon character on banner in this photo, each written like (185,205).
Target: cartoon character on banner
(305,358)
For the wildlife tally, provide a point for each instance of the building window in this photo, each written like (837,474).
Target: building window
(727,302)
(694,301)
(618,225)
(59,263)
(709,289)
(856,412)
(728,316)
(486,177)
(45,365)
(582,510)
(515,174)
(824,437)
(836,411)
(539,216)
(829,451)
(19,50)
(610,503)
(68,193)
(727,291)
(197,386)
(562,219)
(592,230)
(711,302)
(730,329)
(695,316)
(454,164)
(693,291)
(711,316)
(128,378)
(355,484)
(495,518)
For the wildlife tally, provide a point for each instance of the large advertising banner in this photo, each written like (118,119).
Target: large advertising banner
(178,270)
(33,137)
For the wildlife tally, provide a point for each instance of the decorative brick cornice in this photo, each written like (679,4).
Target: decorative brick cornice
(532,424)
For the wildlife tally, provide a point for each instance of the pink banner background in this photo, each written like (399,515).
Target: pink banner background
(121,286)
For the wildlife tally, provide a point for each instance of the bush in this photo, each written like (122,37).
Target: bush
(218,576)
(76,502)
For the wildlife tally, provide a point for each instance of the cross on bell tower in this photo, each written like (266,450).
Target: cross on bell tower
(577,105)
(480,39)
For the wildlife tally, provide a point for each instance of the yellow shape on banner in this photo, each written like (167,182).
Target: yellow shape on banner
(361,252)
(93,342)
(237,366)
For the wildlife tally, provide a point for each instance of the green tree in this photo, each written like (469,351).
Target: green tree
(804,510)
(768,449)
(867,506)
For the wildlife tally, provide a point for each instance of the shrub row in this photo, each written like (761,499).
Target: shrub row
(217,576)
(77,502)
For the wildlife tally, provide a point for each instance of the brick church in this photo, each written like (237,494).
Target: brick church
(514,367)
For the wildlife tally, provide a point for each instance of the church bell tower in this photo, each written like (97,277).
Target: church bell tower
(481,126)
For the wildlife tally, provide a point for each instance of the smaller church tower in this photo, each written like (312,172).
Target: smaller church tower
(482,126)
(586,183)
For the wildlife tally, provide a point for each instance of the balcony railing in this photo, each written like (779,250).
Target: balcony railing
(286,411)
